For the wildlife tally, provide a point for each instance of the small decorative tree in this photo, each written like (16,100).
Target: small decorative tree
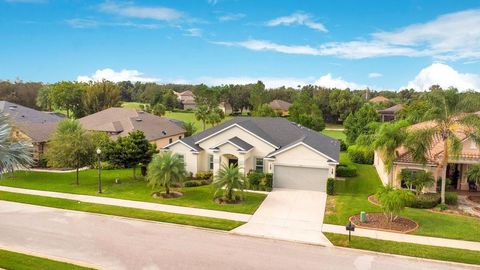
(228,179)
(417,179)
(473,173)
(164,170)
(393,200)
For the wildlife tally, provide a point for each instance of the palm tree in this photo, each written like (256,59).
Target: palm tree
(165,169)
(228,179)
(448,116)
(473,173)
(13,154)
(388,139)
(202,114)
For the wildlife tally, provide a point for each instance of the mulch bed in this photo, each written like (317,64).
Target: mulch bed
(380,222)
(475,199)
(162,194)
(373,200)
(222,200)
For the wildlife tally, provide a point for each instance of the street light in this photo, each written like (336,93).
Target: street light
(99,151)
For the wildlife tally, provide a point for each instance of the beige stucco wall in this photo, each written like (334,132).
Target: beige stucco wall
(381,170)
(166,140)
(191,159)
(301,155)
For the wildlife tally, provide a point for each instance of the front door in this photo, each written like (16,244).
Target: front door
(233,161)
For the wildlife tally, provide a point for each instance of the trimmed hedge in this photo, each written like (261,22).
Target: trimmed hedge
(344,170)
(204,175)
(260,181)
(195,183)
(330,186)
(451,198)
(360,154)
(426,201)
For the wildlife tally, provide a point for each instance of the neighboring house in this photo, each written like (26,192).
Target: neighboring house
(225,107)
(120,121)
(455,171)
(298,157)
(379,99)
(31,125)
(187,99)
(280,106)
(388,114)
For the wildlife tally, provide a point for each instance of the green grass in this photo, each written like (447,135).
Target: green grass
(337,134)
(132,105)
(197,221)
(335,126)
(19,261)
(351,198)
(407,249)
(129,189)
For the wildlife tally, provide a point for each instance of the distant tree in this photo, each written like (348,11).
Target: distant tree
(14,154)
(238,97)
(393,200)
(44,99)
(166,169)
(257,94)
(228,180)
(356,123)
(190,128)
(70,147)
(68,96)
(126,89)
(264,110)
(130,151)
(100,96)
(207,96)
(159,109)
(342,103)
(215,116)
(202,114)
(414,111)
(306,112)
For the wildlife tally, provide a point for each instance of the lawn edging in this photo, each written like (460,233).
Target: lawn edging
(16,259)
(119,211)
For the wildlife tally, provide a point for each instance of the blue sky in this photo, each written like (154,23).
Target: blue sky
(376,44)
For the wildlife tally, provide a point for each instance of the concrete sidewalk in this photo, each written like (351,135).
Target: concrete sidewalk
(134,204)
(407,238)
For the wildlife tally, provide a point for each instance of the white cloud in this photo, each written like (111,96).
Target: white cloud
(143,12)
(27,1)
(112,75)
(374,75)
(194,32)
(88,23)
(330,82)
(82,23)
(231,17)
(445,76)
(451,36)
(298,18)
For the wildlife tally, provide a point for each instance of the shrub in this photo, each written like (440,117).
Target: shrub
(269,177)
(330,186)
(451,198)
(42,162)
(204,175)
(443,206)
(393,200)
(343,145)
(426,201)
(255,178)
(195,183)
(360,154)
(106,166)
(344,170)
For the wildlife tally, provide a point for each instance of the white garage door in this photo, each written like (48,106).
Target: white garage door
(305,178)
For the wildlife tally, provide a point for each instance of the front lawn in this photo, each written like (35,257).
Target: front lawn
(19,261)
(351,198)
(407,249)
(197,221)
(337,134)
(129,189)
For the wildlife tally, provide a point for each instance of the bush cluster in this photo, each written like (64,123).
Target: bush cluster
(330,186)
(195,183)
(343,145)
(426,201)
(451,198)
(259,181)
(204,176)
(360,154)
(343,170)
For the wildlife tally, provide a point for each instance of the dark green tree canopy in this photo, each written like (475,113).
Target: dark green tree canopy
(359,123)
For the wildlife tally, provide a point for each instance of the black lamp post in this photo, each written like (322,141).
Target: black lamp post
(99,151)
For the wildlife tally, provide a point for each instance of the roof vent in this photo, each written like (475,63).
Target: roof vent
(141,111)
(12,107)
(138,120)
(164,132)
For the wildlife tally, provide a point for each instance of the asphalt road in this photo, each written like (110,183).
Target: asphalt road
(118,243)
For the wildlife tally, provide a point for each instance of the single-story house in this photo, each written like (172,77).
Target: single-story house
(280,106)
(379,99)
(120,121)
(187,99)
(455,171)
(298,157)
(225,107)
(388,114)
(31,125)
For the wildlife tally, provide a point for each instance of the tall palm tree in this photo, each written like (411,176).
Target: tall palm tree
(228,179)
(449,118)
(473,173)
(165,169)
(202,114)
(388,139)
(13,154)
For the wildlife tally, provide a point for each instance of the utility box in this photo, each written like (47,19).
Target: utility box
(363,217)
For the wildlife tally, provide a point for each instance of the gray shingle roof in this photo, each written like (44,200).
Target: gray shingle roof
(277,131)
(241,143)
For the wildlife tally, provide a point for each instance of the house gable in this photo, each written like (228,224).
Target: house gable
(302,155)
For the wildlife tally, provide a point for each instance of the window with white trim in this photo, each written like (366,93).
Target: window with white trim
(182,157)
(210,162)
(259,164)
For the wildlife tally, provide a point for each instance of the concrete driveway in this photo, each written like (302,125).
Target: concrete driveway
(289,214)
